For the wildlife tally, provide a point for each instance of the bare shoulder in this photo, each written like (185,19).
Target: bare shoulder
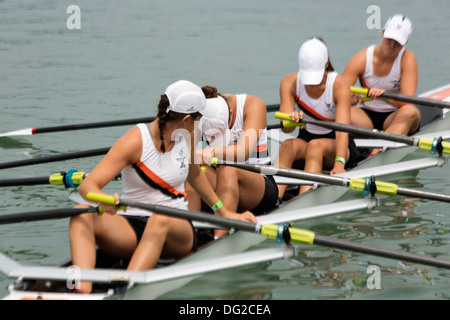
(409,58)
(255,103)
(256,111)
(355,67)
(289,79)
(341,89)
(129,145)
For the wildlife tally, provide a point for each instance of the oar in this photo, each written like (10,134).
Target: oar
(422,143)
(279,232)
(368,185)
(405,98)
(69,179)
(81,126)
(44,214)
(59,157)
(93,125)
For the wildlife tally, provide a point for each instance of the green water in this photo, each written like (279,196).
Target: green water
(121,60)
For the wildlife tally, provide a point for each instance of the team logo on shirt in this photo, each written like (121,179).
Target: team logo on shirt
(329,106)
(396,84)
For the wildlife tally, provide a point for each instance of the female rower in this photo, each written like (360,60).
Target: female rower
(317,92)
(155,163)
(237,133)
(386,67)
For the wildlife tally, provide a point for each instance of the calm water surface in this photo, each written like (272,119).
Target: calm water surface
(121,60)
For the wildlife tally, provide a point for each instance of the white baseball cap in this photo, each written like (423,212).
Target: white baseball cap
(186,97)
(215,128)
(312,59)
(398,28)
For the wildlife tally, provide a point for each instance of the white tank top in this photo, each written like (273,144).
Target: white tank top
(157,178)
(322,108)
(390,82)
(261,154)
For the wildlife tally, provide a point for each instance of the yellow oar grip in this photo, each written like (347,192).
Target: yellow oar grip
(382,187)
(292,124)
(363,91)
(282,116)
(103,198)
(272,231)
(287,120)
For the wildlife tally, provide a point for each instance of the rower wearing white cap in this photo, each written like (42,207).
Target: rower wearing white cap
(386,67)
(155,161)
(316,91)
(237,133)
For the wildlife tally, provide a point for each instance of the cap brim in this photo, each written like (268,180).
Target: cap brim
(395,36)
(214,106)
(311,77)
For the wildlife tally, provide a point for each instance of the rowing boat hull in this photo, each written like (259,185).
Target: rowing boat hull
(240,241)
(237,242)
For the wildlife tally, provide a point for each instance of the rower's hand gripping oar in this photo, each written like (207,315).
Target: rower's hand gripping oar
(437,145)
(282,232)
(405,98)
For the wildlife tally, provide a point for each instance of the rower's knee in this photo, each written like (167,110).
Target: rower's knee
(411,115)
(228,173)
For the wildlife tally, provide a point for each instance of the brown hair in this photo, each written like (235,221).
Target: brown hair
(212,92)
(164,117)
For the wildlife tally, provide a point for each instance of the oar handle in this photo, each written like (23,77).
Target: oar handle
(405,98)
(106,199)
(353,129)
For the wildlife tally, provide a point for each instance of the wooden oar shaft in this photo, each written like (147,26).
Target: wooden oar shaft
(406,98)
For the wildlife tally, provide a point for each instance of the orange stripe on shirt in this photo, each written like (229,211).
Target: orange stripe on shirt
(262,147)
(312,111)
(157,180)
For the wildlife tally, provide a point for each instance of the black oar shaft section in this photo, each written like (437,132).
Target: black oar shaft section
(290,173)
(405,98)
(423,194)
(42,215)
(361,248)
(23,181)
(59,157)
(194,215)
(95,125)
(371,133)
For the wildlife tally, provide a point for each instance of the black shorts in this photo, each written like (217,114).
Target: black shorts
(354,155)
(377,118)
(269,199)
(138,224)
